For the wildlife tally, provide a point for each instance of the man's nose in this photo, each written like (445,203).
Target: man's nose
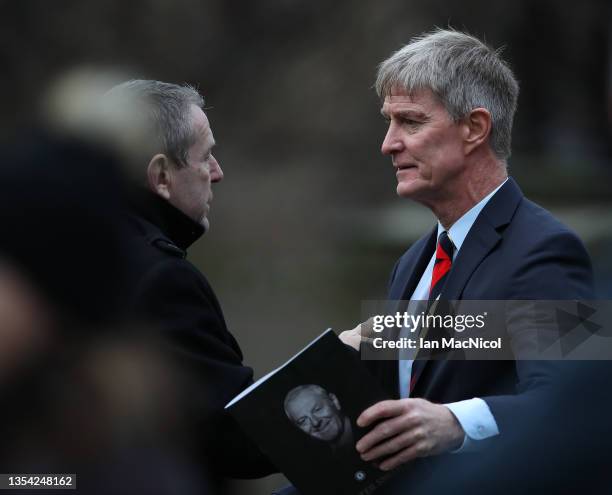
(216,174)
(315,421)
(392,142)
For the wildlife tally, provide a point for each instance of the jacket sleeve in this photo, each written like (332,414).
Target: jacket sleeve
(177,298)
(557,268)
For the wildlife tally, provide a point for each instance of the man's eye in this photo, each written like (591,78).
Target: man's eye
(317,409)
(301,421)
(387,120)
(409,122)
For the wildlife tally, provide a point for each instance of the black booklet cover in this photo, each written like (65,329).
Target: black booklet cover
(303,417)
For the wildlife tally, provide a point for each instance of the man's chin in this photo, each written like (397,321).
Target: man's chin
(205,223)
(330,436)
(415,190)
(409,191)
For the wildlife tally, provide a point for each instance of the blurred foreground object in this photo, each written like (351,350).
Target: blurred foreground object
(86,386)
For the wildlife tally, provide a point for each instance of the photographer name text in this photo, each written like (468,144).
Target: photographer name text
(444,343)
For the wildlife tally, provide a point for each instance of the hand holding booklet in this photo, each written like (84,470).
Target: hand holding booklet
(303,417)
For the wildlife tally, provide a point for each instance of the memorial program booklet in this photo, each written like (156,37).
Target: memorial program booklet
(303,417)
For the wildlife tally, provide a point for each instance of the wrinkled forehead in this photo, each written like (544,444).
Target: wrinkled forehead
(420,99)
(201,128)
(200,120)
(305,399)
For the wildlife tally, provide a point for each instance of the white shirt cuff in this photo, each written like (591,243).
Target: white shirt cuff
(477,422)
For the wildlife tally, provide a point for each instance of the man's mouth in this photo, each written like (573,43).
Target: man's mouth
(404,167)
(323,425)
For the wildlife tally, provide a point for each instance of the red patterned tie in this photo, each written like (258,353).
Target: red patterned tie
(442,265)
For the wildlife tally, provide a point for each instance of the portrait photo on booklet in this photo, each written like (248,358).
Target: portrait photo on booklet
(303,417)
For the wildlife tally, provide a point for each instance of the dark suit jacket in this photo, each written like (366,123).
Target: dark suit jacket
(174,296)
(515,250)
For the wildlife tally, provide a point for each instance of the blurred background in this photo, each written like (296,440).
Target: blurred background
(306,223)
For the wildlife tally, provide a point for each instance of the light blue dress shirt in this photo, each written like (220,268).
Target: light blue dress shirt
(473,415)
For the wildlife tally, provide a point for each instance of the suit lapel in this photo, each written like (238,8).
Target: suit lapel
(411,269)
(482,238)
(477,245)
(480,241)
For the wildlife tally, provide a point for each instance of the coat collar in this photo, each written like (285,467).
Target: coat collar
(482,237)
(172,222)
(480,240)
(412,272)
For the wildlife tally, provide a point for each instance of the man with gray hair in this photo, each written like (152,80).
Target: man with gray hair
(318,413)
(169,208)
(449,100)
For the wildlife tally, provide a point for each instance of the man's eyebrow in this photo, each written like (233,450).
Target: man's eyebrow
(409,114)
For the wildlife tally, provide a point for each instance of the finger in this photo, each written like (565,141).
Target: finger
(350,338)
(392,446)
(384,430)
(380,410)
(377,435)
(406,455)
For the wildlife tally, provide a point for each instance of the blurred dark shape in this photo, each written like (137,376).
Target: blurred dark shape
(60,203)
(86,386)
(25,323)
(109,410)
(559,447)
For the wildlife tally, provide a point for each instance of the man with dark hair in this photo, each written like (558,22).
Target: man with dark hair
(449,101)
(169,211)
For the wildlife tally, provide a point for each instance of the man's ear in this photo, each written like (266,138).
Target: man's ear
(159,177)
(477,127)
(335,400)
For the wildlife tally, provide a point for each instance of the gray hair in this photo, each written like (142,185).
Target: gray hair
(294,392)
(168,109)
(464,74)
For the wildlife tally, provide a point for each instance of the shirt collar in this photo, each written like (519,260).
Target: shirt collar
(460,229)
